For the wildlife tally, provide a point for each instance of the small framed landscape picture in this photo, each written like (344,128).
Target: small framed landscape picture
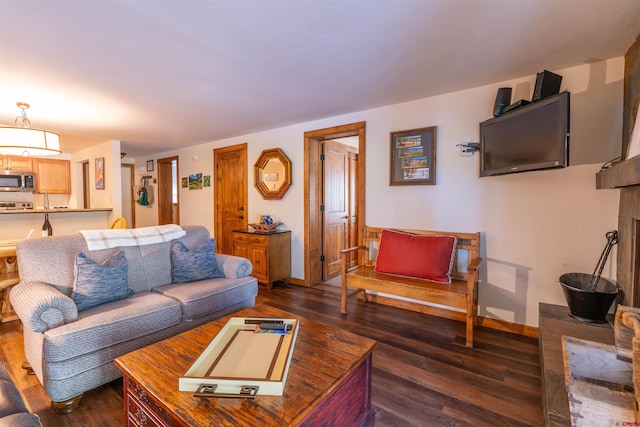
(413,157)
(195,181)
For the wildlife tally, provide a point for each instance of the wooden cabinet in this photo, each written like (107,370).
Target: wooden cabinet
(8,278)
(270,254)
(20,163)
(53,175)
(142,410)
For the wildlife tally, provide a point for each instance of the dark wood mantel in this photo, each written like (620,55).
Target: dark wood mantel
(623,174)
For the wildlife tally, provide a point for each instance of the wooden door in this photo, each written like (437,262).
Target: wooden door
(336,206)
(86,185)
(230,194)
(168,208)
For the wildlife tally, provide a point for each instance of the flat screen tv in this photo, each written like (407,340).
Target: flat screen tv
(532,137)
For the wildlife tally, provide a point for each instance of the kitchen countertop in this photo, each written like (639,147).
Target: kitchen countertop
(36,211)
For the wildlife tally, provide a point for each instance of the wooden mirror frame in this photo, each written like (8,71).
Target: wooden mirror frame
(266,192)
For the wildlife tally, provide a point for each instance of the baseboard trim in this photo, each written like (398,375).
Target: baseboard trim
(485,322)
(298,282)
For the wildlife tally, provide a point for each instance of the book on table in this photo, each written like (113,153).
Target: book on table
(248,356)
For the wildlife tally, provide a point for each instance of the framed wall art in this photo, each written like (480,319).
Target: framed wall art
(149,165)
(195,181)
(413,157)
(100,173)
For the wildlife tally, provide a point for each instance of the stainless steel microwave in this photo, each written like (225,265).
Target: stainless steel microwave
(17,181)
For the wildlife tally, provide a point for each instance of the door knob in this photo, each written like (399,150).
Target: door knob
(240,217)
(241,208)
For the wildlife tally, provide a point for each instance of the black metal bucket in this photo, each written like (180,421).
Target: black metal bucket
(586,304)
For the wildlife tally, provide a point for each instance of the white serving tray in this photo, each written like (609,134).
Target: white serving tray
(241,363)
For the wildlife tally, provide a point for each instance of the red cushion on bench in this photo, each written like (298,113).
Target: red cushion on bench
(412,255)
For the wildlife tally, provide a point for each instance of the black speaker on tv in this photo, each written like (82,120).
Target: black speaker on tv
(503,98)
(547,84)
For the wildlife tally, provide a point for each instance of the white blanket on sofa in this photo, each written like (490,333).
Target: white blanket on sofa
(111,238)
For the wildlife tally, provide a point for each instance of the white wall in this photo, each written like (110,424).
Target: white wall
(109,197)
(535,226)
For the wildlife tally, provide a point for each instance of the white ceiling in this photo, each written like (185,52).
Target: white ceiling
(162,74)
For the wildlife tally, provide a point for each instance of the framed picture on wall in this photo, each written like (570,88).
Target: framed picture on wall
(413,157)
(100,173)
(149,165)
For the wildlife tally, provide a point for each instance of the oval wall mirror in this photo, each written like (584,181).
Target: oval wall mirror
(272,174)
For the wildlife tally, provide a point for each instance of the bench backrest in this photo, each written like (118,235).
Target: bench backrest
(467,247)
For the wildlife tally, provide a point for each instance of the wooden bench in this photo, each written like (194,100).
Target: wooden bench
(461,294)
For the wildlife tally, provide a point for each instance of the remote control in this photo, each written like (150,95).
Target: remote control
(274,326)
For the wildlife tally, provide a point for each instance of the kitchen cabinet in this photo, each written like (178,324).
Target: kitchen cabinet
(53,175)
(269,253)
(20,163)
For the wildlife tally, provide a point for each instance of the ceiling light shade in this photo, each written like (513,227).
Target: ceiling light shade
(20,140)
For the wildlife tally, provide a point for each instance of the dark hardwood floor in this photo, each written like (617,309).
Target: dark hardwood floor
(423,375)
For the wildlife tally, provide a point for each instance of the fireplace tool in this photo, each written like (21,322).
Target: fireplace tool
(612,239)
(589,296)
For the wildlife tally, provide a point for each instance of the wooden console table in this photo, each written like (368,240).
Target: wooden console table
(329,381)
(553,324)
(8,278)
(269,253)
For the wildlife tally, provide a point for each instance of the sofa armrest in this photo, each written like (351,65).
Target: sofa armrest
(41,307)
(234,266)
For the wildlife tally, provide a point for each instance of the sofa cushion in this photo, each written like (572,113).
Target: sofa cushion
(193,265)
(97,283)
(413,255)
(104,326)
(207,296)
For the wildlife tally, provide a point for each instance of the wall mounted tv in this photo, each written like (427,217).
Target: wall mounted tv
(532,137)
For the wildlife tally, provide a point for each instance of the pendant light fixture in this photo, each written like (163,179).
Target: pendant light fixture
(22,141)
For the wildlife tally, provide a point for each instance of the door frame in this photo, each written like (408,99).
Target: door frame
(131,193)
(313,193)
(162,186)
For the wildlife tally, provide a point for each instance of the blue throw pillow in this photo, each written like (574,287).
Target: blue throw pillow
(97,283)
(198,264)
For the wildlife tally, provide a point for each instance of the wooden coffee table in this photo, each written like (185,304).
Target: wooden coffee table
(329,381)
